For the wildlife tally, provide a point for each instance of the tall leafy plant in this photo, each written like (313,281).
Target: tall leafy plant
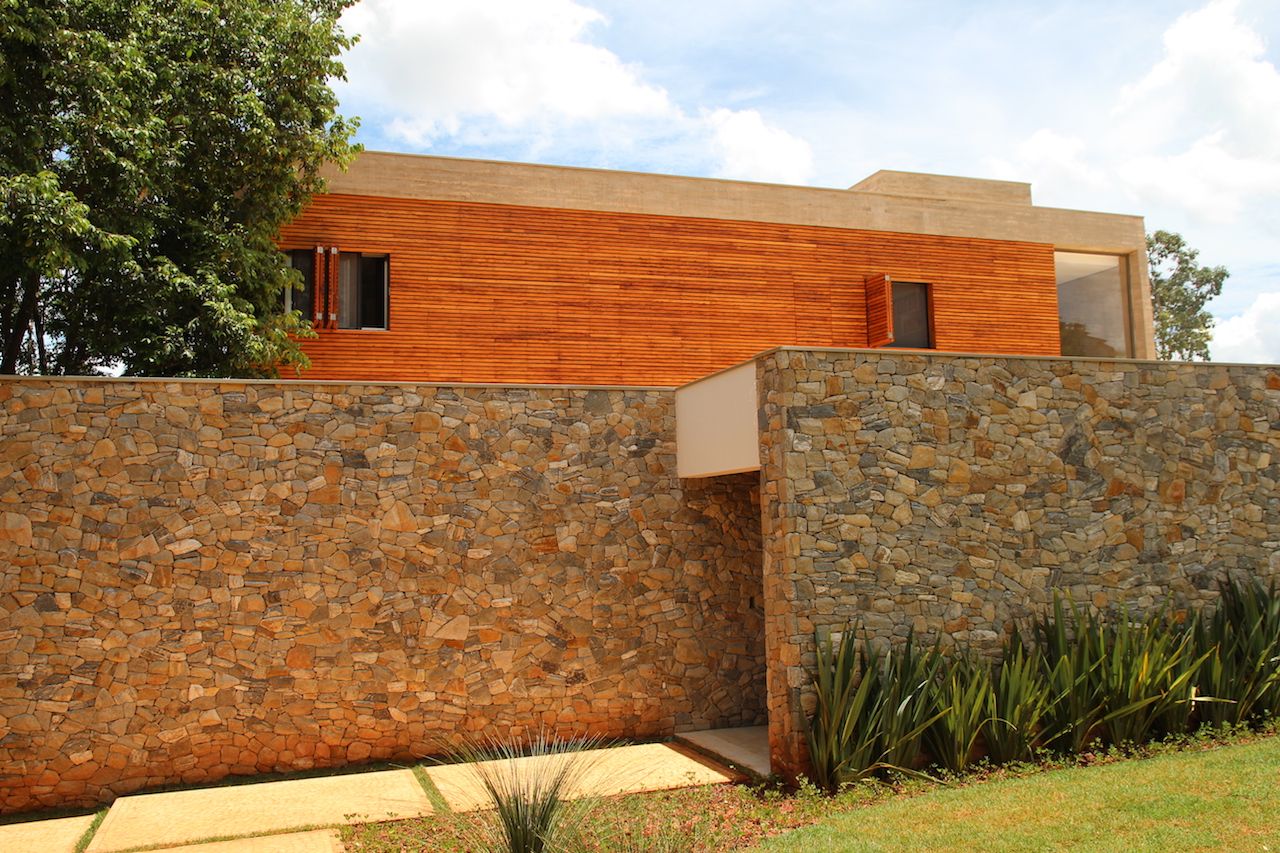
(871,710)
(1019,701)
(1146,674)
(1068,648)
(1241,640)
(963,703)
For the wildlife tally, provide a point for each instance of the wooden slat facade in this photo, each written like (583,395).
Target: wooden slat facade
(511,294)
(879,302)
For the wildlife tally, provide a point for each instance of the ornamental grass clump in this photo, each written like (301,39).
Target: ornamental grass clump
(1146,677)
(1079,679)
(871,712)
(1242,641)
(535,791)
(962,700)
(1019,700)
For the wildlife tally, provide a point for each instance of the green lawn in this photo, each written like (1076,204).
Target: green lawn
(1224,798)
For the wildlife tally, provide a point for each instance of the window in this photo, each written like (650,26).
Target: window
(304,261)
(362,291)
(911,316)
(1093,305)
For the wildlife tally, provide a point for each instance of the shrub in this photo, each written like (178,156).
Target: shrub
(1146,674)
(1242,642)
(870,713)
(535,791)
(1018,702)
(1068,650)
(1081,678)
(963,703)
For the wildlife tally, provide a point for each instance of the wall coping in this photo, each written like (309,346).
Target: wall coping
(346,383)
(938,354)
(882,353)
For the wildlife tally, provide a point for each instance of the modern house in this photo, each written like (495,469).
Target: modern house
(448,270)
(597,453)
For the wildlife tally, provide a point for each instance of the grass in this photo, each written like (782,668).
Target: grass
(1218,798)
(83,843)
(1200,791)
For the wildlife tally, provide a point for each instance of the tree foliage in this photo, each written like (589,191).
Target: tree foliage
(1180,289)
(150,151)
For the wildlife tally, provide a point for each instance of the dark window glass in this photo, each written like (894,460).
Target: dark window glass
(362,291)
(911,315)
(304,261)
(373,293)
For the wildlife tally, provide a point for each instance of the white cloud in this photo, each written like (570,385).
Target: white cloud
(1252,337)
(1197,134)
(433,65)
(524,72)
(749,148)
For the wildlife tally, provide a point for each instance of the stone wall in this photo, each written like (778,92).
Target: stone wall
(212,578)
(952,495)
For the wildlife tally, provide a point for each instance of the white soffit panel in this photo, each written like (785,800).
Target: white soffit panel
(717,425)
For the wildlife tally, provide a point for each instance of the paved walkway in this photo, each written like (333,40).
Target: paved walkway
(746,747)
(297,815)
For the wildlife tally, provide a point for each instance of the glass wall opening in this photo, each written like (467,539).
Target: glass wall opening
(1093,305)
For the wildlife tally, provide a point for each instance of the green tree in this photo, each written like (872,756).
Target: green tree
(150,151)
(1180,288)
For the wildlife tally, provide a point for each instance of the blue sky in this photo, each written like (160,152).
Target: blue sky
(1166,109)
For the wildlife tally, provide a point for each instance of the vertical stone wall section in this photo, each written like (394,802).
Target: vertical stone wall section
(203,579)
(952,495)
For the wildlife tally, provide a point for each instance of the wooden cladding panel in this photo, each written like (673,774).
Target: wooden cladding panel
(497,293)
(879,299)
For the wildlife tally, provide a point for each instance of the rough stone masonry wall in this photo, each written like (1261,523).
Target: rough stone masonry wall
(202,579)
(952,495)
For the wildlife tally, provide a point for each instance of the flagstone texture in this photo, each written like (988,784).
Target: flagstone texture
(205,578)
(952,495)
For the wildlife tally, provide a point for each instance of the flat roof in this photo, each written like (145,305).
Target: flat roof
(903,202)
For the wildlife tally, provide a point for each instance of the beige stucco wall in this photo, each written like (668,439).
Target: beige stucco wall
(717,431)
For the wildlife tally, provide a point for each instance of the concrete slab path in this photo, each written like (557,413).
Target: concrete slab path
(58,835)
(604,772)
(315,841)
(186,817)
(746,747)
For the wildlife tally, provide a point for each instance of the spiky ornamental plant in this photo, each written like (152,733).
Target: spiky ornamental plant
(1242,642)
(536,790)
(962,700)
(1068,649)
(868,716)
(1146,673)
(1019,702)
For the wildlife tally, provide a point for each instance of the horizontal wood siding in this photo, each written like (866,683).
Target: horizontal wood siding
(497,293)
(879,299)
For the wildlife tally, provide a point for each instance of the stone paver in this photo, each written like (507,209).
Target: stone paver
(605,772)
(746,747)
(185,817)
(58,835)
(314,841)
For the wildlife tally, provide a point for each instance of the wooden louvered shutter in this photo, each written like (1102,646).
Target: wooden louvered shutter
(331,291)
(315,311)
(879,310)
